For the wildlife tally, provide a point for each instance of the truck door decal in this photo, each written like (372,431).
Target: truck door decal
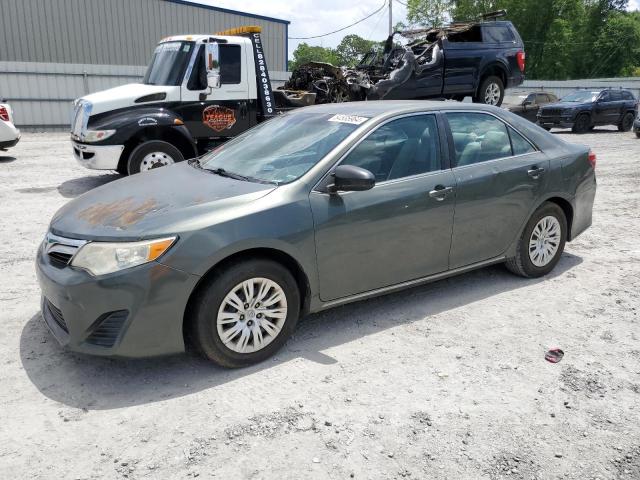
(218,118)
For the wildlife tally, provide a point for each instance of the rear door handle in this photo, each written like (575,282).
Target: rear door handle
(440,192)
(535,172)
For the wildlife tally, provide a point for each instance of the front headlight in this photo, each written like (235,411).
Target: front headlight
(100,258)
(91,136)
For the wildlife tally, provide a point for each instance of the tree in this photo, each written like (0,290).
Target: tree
(352,48)
(429,13)
(305,53)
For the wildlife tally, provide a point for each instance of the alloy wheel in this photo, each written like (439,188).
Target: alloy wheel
(492,94)
(545,241)
(251,315)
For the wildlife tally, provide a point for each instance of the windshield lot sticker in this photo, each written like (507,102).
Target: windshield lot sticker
(218,118)
(348,119)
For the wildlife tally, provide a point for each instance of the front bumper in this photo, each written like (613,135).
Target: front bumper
(556,122)
(97,157)
(137,312)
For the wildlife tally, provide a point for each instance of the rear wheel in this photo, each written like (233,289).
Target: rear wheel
(626,123)
(245,314)
(152,154)
(583,123)
(638,134)
(541,244)
(491,92)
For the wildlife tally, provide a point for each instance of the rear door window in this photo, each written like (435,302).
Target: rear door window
(542,98)
(627,95)
(496,34)
(520,145)
(478,137)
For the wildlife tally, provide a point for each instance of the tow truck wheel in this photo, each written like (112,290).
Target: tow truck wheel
(152,154)
(491,92)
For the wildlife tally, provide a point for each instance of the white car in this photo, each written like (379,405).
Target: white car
(9,134)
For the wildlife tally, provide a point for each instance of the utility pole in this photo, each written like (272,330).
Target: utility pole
(390,17)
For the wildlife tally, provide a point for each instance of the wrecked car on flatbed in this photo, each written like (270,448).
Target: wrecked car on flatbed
(477,59)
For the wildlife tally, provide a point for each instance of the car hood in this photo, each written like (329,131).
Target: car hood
(126,96)
(165,201)
(564,105)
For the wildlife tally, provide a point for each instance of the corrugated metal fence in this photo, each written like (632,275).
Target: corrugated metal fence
(41,93)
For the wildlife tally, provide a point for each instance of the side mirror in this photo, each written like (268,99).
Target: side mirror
(212,63)
(348,178)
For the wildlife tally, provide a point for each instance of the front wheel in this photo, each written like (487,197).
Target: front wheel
(583,124)
(245,314)
(626,123)
(491,92)
(541,243)
(152,154)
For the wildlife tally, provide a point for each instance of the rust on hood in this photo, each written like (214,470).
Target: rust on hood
(120,213)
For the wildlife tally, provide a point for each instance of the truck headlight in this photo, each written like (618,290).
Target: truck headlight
(91,136)
(100,258)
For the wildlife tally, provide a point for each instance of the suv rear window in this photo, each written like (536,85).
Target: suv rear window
(497,34)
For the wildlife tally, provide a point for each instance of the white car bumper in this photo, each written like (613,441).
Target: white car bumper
(9,135)
(97,157)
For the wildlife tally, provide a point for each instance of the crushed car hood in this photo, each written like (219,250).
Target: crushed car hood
(166,201)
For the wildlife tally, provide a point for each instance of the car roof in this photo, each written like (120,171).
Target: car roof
(391,107)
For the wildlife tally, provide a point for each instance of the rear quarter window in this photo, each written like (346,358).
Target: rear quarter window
(497,34)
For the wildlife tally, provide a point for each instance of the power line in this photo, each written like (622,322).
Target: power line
(343,28)
(402,3)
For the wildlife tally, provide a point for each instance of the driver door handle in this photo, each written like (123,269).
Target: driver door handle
(535,172)
(440,192)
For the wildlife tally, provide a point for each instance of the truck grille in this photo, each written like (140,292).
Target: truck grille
(108,328)
(551,112)
(80,117)
(61,250)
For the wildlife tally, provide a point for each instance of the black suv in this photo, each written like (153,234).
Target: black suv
(584,109)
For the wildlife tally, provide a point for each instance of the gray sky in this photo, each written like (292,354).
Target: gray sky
(328,15)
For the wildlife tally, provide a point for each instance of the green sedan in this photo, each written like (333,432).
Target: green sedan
(321,206)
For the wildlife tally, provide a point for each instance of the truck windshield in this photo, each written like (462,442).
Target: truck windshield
(282,149)
(168,63)
(582,96)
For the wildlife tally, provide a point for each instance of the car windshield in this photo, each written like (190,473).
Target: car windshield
(168,63)
(582,96)
(282,149)
(514,99)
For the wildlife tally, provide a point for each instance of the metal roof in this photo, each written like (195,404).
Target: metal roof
(195,3)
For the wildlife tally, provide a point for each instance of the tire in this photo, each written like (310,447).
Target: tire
(627,122)
(522,263)
(211,305)
(490,88)
(637,134)
(583,124)
(152,154)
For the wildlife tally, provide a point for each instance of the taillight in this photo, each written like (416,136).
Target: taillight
(592,159)
(520,56)
(4,114)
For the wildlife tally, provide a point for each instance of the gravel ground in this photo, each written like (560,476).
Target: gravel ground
(444,381)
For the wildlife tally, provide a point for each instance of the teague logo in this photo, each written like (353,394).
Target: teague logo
(218,118)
